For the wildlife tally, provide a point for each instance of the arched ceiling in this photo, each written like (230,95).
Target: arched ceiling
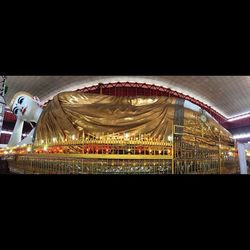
(229,95)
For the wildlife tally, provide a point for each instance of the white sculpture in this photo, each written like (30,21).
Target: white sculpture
(26,108)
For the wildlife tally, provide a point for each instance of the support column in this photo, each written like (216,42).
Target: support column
(3,91)
(242,158)
(2,110)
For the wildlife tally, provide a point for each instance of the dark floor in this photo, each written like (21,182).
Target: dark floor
(4,168)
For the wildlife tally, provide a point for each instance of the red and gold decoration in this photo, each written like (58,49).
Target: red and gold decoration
(85,133)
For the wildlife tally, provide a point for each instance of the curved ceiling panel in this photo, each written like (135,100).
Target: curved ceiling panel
(229,95)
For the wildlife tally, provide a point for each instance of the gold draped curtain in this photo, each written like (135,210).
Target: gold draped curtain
(75,113)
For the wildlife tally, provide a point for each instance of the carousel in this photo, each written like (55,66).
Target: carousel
(118,130)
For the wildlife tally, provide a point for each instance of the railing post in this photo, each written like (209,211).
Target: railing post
(220,172)
(173,148)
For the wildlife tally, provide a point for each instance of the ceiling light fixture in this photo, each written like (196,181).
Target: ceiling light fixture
(10,133)
(239,117)
(241,136)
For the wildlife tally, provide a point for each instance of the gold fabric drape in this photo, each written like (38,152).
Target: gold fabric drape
(74,113)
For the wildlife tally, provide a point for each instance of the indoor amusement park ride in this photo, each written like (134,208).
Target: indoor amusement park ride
(122,128)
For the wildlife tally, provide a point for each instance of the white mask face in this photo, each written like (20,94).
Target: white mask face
(24,107)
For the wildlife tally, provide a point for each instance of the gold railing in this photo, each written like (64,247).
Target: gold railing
(197,155)
(185,154)
(63,164)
